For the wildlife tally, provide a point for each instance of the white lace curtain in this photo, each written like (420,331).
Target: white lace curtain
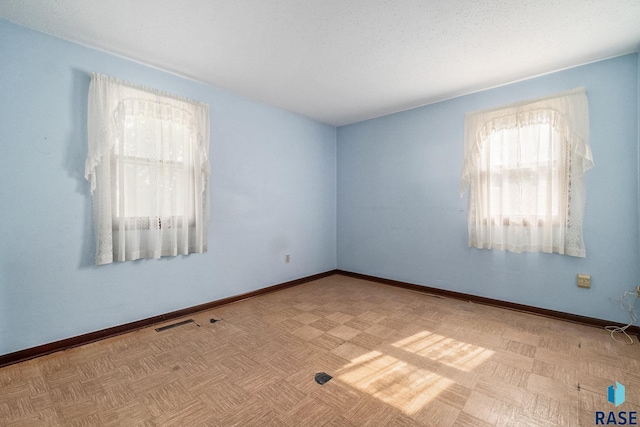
(524,167)
(148,165)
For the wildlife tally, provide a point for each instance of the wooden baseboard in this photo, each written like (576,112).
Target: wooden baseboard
(583,320)
(41,350)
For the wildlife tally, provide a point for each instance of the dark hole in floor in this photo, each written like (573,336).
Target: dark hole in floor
(322,378)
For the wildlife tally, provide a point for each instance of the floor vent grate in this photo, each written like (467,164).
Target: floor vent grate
(173,325)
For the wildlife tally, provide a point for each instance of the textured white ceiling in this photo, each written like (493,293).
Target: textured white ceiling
(342,61)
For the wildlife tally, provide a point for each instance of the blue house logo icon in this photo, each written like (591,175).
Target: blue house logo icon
(615,394)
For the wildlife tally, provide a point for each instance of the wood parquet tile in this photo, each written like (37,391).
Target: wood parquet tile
(398,358)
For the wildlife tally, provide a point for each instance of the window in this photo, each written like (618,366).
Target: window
(148,165)
(524,168)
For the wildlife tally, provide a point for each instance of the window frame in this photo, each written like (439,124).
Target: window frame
(560,231)
(519,219)
(146,234)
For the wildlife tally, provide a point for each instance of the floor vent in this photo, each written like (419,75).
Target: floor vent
(173,325)
(322,378)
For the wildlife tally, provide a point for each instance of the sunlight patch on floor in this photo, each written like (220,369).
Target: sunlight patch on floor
(393,381)
(403,384)
(451,352)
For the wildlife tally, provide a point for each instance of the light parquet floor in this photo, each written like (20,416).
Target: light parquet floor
(397,357)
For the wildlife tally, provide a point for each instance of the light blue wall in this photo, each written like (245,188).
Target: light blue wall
(400,215)
(272,189)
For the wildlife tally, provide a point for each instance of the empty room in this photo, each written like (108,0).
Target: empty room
(319,213)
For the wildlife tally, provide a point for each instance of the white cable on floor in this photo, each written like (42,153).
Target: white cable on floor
(629,308)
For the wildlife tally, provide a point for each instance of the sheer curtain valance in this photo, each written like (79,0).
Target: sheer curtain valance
(148,165)
(524,167)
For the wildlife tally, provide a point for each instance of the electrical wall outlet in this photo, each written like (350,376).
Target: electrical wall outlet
(638,291)
(287,258)
(584,281)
